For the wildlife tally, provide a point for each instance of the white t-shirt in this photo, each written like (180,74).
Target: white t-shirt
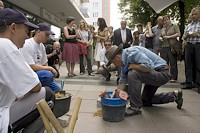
(16,79)
(33,52)
(103,59)
(84,35)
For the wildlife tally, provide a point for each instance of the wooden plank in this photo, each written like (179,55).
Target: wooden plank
(74,116)
(44,118)
(47,111)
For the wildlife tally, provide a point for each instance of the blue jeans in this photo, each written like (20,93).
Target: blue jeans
(47,79)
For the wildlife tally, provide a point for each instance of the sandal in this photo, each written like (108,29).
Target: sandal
(69,75)
(74,75)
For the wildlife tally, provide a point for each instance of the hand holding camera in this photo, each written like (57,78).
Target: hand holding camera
(58,51)
(54,52)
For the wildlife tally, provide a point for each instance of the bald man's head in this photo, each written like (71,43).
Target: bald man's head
(160,20)
(56,45)
(1,5)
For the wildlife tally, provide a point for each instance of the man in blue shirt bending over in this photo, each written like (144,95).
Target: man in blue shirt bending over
(140,65)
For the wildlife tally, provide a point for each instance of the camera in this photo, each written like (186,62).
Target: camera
(58,51)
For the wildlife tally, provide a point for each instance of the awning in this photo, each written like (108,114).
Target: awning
(159,5)
(57,10)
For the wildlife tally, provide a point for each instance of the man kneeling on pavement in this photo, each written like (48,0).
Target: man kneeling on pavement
(104,69)
(140,65)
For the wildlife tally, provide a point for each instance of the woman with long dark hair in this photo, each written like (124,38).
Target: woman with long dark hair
(102,35)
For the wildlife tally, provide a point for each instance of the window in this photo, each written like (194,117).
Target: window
(95,24)
(95,5)
(95,14)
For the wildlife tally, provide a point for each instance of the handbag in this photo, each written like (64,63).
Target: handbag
(175,47)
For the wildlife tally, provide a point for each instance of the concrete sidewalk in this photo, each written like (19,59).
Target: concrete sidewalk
(164,118)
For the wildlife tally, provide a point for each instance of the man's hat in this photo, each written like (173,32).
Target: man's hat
(9,16)
(46,28)
(112,52)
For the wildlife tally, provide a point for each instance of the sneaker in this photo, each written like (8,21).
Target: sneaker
(118,80)
(173,81)
(91,74)
(108,78)
(179,99)
(132,111)
(81,73)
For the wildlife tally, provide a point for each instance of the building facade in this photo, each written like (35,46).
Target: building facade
(55,12)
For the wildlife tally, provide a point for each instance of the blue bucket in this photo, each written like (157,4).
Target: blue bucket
(113,109)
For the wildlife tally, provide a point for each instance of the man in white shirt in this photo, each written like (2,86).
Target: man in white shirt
(20,88)
(104,69)
(35,54)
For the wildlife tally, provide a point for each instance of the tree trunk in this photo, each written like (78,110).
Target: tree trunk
(182,16)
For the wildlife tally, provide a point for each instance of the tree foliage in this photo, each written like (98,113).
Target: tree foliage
(139,11)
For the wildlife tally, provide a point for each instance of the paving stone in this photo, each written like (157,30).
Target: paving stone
(165,118)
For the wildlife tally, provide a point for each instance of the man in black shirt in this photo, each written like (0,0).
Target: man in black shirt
(54,55)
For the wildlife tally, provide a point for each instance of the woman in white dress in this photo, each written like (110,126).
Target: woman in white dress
(102,35)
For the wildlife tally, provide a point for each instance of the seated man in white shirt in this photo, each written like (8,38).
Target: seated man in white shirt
(20,88)
(35,54)
(104,69)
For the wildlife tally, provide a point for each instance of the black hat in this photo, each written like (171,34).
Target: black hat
(9,16)
(46,28)
(112,52)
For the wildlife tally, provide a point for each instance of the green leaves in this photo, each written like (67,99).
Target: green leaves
(139,11)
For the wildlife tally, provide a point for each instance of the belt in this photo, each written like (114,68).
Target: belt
(163,68)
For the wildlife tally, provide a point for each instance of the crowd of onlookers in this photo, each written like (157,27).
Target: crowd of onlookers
(159,39)
(29,66)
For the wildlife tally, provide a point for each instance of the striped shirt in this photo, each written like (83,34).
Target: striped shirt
(193,27)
